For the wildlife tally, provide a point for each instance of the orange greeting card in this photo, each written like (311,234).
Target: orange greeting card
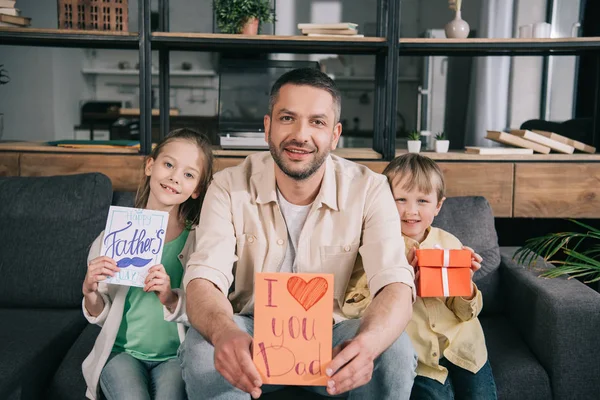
(444,273)
(293,327)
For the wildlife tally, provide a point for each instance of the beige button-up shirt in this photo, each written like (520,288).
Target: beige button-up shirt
(353,223)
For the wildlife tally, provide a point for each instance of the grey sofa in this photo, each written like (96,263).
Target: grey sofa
(541,334)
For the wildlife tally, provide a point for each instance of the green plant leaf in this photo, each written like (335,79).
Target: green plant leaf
(231,15)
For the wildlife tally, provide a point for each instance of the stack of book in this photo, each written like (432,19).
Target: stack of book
(11,16)
(533,141)
(342,29)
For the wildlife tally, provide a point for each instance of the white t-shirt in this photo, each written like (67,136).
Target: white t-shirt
(295,217)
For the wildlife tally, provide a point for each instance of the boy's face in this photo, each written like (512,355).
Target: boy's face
(416,209)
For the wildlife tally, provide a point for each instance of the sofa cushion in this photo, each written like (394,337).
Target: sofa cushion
(68,382)
(517,372)
(48,225)
(471,220)
(123,199)
(32,345)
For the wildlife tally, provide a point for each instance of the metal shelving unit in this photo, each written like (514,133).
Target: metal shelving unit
(387,47)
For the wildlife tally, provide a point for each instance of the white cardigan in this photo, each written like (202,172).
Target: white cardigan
(112,314)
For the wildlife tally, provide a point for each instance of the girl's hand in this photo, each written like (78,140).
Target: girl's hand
(158,281)
(98,270)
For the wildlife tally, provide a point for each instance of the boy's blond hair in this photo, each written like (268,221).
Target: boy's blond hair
(418,172)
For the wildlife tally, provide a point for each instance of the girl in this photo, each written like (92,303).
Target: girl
(135,354)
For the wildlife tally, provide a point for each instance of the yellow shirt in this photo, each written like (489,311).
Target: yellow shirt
(352,223)
(439,325)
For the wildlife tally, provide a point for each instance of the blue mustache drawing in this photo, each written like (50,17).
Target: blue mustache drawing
(135,261)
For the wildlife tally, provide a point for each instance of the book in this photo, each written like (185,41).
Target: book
(135,239)
(563,139)
(16,20)
(340,25)
(95,143)
(496,150)
(324,35)
(9,25)
(512,140)
(331,31)
(10,11)
(7,3)
(543,140)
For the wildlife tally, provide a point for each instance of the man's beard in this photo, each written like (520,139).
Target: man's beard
(277,153)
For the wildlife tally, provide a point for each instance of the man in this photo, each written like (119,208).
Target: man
(299,209)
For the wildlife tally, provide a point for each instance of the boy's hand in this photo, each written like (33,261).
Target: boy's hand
(476,260)
(412,260)
(98,270)
(158,281)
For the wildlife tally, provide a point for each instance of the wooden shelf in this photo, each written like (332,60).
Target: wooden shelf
(488,46)
(267,43)
(351,153)
(68,38)
(135,72)
(462,156)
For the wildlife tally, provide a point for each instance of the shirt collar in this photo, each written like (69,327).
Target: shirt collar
(266,188)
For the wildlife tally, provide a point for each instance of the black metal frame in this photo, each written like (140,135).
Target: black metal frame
(386,51)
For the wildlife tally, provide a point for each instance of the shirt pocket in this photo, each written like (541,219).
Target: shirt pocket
(251,252)
(340,261)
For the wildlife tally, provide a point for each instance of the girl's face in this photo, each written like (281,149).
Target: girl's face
(174,174)
(416,210)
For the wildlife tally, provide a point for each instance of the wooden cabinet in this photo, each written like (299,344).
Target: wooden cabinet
(555,187)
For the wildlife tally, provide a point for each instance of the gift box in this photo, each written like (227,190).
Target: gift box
(444,273)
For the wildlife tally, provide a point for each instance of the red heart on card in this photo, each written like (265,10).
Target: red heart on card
(307,294)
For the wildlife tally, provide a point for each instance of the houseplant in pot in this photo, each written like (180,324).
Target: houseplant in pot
(414,142)
(441,143)
(242,16)
(576,254)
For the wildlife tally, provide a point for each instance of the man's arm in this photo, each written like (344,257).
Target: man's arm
(207,279)
(391,279)
(382,323)
(208,310)
(211,313)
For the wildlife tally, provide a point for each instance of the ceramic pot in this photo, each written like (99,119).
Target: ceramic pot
(441,146)
(458,28)
(414,146)
(250,27)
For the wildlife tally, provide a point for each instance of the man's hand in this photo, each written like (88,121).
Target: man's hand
(233,360)
(351,366)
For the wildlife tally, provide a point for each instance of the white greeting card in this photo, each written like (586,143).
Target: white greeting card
(135,239)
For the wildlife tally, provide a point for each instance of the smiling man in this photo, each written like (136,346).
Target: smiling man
(298,208)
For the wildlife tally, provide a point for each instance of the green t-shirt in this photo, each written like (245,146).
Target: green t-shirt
(144,333)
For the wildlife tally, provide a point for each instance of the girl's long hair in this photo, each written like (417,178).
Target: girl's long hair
(189,211)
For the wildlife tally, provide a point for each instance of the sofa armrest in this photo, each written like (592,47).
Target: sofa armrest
(559,320)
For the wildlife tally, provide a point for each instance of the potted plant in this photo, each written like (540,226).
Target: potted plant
(4,79)
(242,16)
(414,142)
(562,251)
(441,143)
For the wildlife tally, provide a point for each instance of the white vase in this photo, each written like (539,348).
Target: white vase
(414,146)
(458,28)
(441,146)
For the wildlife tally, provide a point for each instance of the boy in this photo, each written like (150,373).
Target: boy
(445,332)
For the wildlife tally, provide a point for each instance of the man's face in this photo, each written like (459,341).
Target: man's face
(302,130)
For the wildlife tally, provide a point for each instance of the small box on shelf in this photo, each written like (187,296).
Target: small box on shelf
(105,15)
